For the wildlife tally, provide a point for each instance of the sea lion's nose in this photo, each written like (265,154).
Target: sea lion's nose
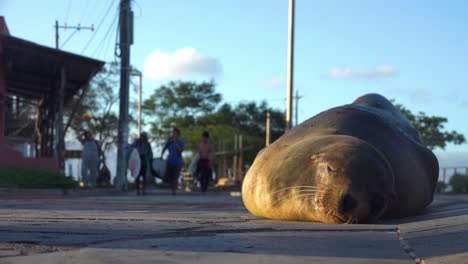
(348,203)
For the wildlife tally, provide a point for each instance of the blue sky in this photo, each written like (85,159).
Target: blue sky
(410,51)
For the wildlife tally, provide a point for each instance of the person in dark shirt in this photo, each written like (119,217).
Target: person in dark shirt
(146,156)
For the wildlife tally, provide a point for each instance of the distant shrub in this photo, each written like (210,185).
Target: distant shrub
(441,187)
(459,183)
(15,177)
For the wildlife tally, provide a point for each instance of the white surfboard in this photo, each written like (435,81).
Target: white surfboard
(192,168)
(159,166)
(134,163)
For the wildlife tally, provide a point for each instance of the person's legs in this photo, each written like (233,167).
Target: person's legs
(93,170)
(85,171)
(142,179)
(173,173)
(206,177)
(137,183)
(170,177)
(203,179)
(176,177)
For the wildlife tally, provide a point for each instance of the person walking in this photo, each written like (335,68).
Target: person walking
(91,154)
(175,146)
(205,152)
(146,156)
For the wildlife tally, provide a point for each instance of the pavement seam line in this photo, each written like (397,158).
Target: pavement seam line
(195,232)
(407,248)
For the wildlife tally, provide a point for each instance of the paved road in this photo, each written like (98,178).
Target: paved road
(214,228)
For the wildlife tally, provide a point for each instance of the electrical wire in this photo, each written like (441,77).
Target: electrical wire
(140,13)
(104,40)
(84,11)
(109,44)
(98,27)
(69,37)
(68,11)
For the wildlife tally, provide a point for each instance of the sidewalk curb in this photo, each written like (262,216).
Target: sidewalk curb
(17,192)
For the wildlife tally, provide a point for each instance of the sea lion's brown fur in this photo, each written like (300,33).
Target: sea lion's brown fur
(353,163)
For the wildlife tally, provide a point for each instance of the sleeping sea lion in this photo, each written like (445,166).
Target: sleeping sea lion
(350,164)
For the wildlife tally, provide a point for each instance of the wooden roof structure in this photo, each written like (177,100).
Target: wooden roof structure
(33,70)
(50,76)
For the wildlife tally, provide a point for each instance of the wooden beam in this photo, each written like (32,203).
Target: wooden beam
(80,99)
(59,146)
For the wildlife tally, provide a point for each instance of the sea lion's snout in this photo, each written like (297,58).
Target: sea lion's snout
(353,180)
(359,209)
(348,204)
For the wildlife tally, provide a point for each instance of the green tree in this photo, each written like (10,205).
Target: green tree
(195,108)
(249,119)
(431,129)
(459,183)
(96,111)
(179,104)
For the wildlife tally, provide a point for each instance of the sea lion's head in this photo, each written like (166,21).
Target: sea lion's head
(331,179)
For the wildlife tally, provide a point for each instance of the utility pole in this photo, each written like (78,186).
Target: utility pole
(296,111)
(59,143)
(64,26)
(290,65)
(126,39)
(56,34)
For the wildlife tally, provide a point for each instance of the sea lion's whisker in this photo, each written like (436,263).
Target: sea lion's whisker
(295,195)
(297,186)
(290,195)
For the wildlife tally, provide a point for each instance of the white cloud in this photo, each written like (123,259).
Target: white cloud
(346,73)
(419,96)
(275,82)
(185,62)
(415,96)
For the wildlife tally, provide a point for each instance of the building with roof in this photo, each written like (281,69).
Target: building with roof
(36,82)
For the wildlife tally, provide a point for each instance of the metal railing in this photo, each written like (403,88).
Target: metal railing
(446,172)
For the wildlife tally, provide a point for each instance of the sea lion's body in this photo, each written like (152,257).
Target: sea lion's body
(353,163)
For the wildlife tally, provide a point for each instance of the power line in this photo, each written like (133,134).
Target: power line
(110,43)
(69,37)
(77,28)
(84,10)
(68,11)
(98,26)
(102,14)
(139,8)
(105,39)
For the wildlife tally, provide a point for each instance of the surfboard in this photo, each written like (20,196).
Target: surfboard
(192,168)
(134,163)
(159,166)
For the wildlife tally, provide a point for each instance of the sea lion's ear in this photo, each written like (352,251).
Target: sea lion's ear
(316,157)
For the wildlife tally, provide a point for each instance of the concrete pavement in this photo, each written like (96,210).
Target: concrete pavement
(212,228)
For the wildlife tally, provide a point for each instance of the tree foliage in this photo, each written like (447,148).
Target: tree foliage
(196,107)
(431,129)
(459,183)
(179,104)
(96,111)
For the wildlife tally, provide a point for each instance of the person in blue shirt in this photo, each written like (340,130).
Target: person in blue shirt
(175,146)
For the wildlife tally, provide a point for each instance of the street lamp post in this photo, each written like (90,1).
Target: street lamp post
(290,65)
